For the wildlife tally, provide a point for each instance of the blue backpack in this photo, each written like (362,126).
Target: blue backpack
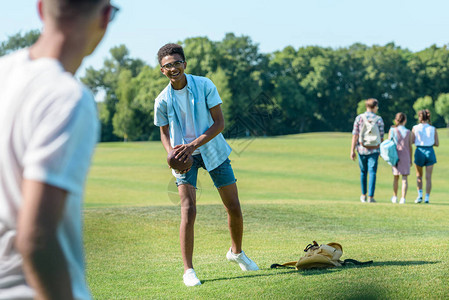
(388,150)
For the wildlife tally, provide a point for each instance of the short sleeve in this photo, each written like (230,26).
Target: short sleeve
(212,97)
(62,144)
(381,125)
(355,127)
(160,113)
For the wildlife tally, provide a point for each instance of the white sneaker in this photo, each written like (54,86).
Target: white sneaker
(418,200)
(402,201)
(244,262)
(394,199)
(190,278)
(363,198)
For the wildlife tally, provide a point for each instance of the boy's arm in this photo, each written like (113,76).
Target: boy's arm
(165,137)
(44,263)
(355,137)
(187,149)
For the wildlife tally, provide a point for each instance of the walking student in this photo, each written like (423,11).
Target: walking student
(404,142)
(367,134)
(425,138)
(48,131)
(188,112)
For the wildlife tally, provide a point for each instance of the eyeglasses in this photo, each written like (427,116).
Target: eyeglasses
(114,10)
(175,64)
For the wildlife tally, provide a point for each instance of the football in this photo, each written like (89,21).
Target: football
(178,164)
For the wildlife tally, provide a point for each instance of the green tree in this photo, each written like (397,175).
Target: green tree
(297,113)
(221,81)
(361,107)
(431,71)
(150,82)
(389,79)
(201,56)
(240,59)
(288,91)
(19,41)
(105,82)
(442,107)
(124,121)
(134,115)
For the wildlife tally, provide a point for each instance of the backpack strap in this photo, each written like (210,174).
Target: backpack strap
(343,263)
(393,135)
(364,118)
(355,262)
(286,265)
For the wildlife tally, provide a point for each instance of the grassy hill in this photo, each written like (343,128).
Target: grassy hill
(293,189)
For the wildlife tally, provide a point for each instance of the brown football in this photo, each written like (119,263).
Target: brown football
(178,164)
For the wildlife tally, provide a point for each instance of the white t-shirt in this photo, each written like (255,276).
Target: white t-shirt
(48,131)
(424,134)
(181,99)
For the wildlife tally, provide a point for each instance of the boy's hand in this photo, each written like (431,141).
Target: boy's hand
(352,155)
(184,151)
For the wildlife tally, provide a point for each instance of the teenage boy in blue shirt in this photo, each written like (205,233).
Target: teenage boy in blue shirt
(188,112)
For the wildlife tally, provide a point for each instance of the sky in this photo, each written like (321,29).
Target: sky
(144,25)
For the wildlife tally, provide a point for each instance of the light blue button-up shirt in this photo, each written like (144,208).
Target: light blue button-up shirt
(203,95)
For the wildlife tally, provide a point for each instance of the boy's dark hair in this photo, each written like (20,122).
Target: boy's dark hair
(170,49)
(371,103)
(61,9)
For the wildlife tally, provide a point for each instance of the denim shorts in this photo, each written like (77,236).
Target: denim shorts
(222,175)
(425,156)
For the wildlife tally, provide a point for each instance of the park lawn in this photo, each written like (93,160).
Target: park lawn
(293,190)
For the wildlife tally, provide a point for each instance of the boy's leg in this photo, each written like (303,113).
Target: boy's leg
(230,198)
(224,180)
(187,193)
(363,164)
(372,170)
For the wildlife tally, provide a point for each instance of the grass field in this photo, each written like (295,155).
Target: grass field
(293,190)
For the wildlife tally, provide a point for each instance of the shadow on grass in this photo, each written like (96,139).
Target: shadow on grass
(326,271)
(403,263)
(252,275)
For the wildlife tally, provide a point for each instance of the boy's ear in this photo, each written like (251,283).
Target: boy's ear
(105,17)
(40,9)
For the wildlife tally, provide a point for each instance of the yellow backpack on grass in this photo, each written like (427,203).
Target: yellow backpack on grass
(321,257)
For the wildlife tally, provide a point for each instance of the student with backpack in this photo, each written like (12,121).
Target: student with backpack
(425,138)
(367,134)
(403,140)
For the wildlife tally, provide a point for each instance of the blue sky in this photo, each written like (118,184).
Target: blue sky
(145,25)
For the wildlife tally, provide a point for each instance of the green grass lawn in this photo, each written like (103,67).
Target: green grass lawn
(293,190)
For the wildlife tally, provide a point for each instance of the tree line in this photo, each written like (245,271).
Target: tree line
(288,91)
